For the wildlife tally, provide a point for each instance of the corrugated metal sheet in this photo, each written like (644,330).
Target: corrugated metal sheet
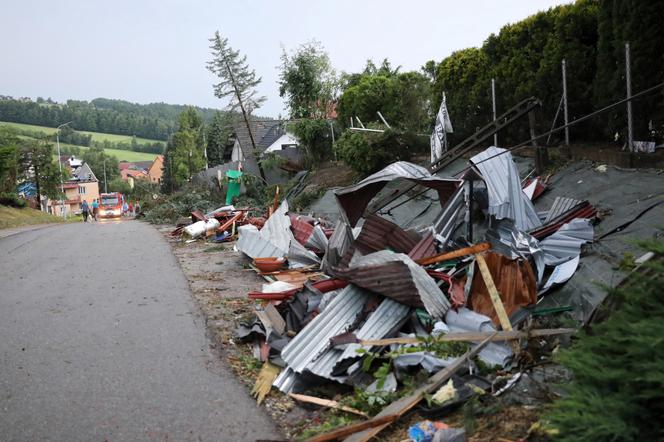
(398,277)
(277,228)
(582,210)
(338,244)
(448,220)
(425,248)
(251,243)
(385,319)
(388,316)
(338,317)
(318,239)
(272,240)
(378,233)
(566,242)
(299,256)
(507,240)
(354,199)
(284,382)
(560,205)
(506,198)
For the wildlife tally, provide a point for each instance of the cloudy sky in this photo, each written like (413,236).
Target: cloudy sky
(155,50)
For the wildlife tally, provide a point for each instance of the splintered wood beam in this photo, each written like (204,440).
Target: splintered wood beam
(477,248)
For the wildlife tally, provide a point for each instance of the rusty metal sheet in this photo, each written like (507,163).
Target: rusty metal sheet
(398,277)
(514,279)
(426,247)
(378,233)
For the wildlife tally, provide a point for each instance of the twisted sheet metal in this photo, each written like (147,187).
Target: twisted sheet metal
(398,277)
(354,199)
(560,205)
(566,243)
(338,317)
(506,198)
(378,233)
(384,320)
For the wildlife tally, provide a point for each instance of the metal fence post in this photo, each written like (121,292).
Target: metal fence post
(628,79)
(493,102)
(564,67)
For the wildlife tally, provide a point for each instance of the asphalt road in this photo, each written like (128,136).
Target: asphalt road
(100,340)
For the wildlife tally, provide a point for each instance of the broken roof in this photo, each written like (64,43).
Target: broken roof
(354,199)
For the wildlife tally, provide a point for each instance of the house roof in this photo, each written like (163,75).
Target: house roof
(265,133)
(84,173)
(123,165)
(143,164)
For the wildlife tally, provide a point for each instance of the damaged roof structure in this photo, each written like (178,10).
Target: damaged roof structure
(472,251)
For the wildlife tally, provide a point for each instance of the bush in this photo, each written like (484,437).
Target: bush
(618,387)
(12,200)
(367,152)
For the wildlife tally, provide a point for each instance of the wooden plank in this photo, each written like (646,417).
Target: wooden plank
(472,336)
(400,407)
(493,294)
(477,248)
(326,403)
(354,428)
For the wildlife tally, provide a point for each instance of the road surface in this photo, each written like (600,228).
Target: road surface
(100,340)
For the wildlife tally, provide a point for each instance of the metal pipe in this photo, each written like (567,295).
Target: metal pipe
(628,79)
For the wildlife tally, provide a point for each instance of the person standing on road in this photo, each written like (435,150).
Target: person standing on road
(95,208)
(84,210)
(137,207)
(125,207)
(131,210)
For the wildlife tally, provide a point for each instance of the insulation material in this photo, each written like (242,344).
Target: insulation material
(515,281)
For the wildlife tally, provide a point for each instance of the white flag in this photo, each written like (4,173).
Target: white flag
(439,135)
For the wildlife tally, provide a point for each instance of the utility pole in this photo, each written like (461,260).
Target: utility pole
(105,181)
(628,79)
(493,102)
(564,68)
(62,184)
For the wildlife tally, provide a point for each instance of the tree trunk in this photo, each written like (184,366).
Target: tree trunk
(246,121)
(35,164)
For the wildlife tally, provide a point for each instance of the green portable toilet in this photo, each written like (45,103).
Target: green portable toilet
(234,178)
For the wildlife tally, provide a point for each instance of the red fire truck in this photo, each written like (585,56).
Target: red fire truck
(110,205)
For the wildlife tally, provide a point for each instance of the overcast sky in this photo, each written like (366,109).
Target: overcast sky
(155,50)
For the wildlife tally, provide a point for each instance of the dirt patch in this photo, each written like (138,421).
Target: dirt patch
(332,174)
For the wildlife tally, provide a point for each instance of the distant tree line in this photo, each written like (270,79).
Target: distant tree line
(154,121)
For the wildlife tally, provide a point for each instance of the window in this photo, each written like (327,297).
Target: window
(81,190)
(288,146)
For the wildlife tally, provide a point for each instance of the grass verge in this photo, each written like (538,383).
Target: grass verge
(13,217)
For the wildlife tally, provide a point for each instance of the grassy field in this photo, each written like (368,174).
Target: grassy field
(126,155)
(12,217)
(96,136)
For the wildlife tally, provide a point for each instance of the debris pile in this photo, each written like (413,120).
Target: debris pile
(372,305)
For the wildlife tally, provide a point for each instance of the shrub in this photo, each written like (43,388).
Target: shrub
(367,152)
(618,387)
(11,199)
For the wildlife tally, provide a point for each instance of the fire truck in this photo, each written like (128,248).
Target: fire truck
(110,205)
